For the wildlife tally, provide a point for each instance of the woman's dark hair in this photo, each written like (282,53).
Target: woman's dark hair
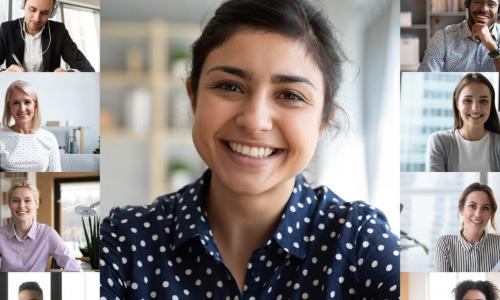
(489,290)
(492,124)
(474,187)
(296,19)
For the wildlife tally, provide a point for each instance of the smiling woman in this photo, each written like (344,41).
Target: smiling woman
(262,87)
(474,143)
(474,249)
(24,235)
(24,146)
(475,290)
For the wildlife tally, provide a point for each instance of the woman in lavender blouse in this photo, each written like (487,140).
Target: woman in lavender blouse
(25,244)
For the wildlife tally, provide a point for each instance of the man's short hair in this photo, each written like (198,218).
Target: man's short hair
(30,286)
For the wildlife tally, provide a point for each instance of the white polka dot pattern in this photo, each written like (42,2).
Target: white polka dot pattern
(36,152)
(349,252)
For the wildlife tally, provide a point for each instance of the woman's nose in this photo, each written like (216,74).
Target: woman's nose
(256,114)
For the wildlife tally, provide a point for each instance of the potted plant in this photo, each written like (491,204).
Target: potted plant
(92,239)
(407,241)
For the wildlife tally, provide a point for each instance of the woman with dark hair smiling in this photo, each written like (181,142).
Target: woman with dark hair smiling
(264,77)
(474,249)
(473,145)
(475,290)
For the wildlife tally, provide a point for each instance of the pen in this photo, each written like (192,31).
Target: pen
(17,60)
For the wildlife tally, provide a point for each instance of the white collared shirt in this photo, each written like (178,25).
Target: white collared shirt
(33,58)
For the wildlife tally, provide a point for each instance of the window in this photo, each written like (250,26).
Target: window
(69,194)
(83,26)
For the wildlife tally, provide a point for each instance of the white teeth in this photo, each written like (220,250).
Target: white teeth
(255,152)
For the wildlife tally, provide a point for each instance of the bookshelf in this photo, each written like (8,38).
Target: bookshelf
(427,17)
(145,112)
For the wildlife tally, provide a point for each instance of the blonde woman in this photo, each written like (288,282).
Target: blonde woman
(25,244)
(473,250)
(24,146)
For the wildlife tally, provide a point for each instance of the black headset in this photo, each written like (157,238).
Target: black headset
(54,8)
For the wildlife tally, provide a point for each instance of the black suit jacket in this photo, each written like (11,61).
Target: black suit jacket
(61,45)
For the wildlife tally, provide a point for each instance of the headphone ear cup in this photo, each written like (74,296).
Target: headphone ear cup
(467,4)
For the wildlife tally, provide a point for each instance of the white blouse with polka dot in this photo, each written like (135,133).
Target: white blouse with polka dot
(35,152)
(323,248)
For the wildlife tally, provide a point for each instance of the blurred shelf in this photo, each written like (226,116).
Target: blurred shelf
(168,135)
(415,27)
(118,78)
(448,14)
(140,87)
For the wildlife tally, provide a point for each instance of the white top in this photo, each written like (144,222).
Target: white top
(473,156)
(34,152)
(33,57)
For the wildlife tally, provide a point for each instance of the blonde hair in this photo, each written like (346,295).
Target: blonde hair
(24,185)
(25,88)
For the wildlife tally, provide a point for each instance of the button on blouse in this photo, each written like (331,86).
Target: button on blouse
(322,248)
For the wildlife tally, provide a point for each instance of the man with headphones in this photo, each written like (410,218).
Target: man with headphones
(470,46)
(35,44)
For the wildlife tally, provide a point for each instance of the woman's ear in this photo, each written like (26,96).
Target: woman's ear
(189,91)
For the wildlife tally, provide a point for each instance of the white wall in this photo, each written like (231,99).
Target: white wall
(362,162)
(71,97)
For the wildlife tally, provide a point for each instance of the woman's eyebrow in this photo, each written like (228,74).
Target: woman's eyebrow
(280,78)
(232,70)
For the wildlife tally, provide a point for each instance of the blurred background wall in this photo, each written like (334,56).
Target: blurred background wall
(145,114)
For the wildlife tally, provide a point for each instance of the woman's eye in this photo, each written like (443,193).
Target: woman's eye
(229,86)
(293,96)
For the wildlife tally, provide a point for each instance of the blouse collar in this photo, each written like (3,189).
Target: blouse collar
(31,233)
(291,234)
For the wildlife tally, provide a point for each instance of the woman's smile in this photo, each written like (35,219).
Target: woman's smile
(247,154)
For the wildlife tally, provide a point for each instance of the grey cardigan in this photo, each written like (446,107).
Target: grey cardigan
(442,152)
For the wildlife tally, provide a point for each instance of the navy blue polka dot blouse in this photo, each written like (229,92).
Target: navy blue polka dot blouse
(322,248)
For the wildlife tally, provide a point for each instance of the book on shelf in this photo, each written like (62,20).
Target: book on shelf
(410,45)
(405,19)
(440,6)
